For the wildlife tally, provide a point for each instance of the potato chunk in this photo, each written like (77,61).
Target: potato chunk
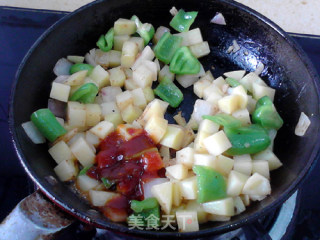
(163,193)
(187,221)
(93,114)
(61,152)
(66,170)
(102,129)
(236,181)
(60,91)
(124,27)
(257,185)
(76,114)
(83,152)
(217,143)
(224,207)
(177,171)
(189,188)
(156,127)
(117,77)
(130,113)
(100,76)
(85,183)
(173,137)
(100,198)
(129,53)
(186,157)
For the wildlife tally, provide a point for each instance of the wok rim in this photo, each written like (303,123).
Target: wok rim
(201,233)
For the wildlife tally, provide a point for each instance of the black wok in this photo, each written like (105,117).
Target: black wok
(287,69)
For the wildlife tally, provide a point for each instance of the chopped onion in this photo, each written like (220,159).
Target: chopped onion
(62,67)
(236,46)
(58,108)
(259,69)
(61,78)
(303,124)
(173,11)
(218,19)
(90,57)
(109,93)
(33,133)
(147,186)
(201,108)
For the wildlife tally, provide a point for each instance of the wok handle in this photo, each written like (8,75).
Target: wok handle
(34,217)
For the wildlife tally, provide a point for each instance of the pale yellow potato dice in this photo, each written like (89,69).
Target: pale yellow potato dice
(124,99)
(60,92)
(100,198)
(92,139)
(198,142)
(204,160)
(85,183)
(102,129)
(114,58)
(214,98)
(187,221)
(189,189)
(177,171)
(212,89)
(75,59)
(200,86)
(165,72)
(117,77)
(200,49)
(248,80)
(138,41)
(93,114)
(220,82)
(217,143)
(245,199)
(235,183)
(243,100)
(208,126)
(75,137)
(76,114)
(61,152)
(268,155)
(173,137)
(223,207)
(163,193)
(237,75)
(259,91)
(66,170)
(176,194)
(229,104)
(193,205)
(114,118)
(244,166)
(191,37)
(129,84)
(109,107)
(185,156)
(189,136)
(83,152)
(146,54)
(238,205)
(251,106)
(148,94)
(143,76)
(77,78)
(119,40)
(223,164)
(257,185)
(156,127)
(155,108)
(130,113)
(261,167)
(139,99)
(100,76)
(128,72)
(129,53)
(243,115)
(124,27)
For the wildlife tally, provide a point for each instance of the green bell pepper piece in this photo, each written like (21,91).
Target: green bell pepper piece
(224,120)
(183,62)
(183,20)
(105,42)
(169,92)
(232,82)
(266,115)
(167,46)
(145,30)
(47,124)
(247,140)
(211,184)
(84,170)
(107,183)
(139,206)
(80,67)
(86,93)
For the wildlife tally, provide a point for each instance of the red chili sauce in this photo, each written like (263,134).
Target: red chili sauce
(129,164)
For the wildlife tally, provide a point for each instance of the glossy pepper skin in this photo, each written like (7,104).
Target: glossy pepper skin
(139,206)
(145,30)
(80,67)
(266,115)
(47,124)
(247,140)
(232,82)
(211,184)
(183,62)
(107,183)
(167,46)
(183,20)
(105,42)
(224,120)
(169,92)
(85,94)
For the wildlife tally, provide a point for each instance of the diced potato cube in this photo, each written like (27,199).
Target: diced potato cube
(238,205)
(155,108)
(243,100)
(212,89)
(191,37)
(77,78)
(248,80)
(200,49)
(60,92)
(139,99)
(100,198)
(119,40)
(114,118)
(100,76)
(177,171)
(114,58)
(243,115)
(217,143)
(198,142)
(186,157)
(243,164)
(75,59)
(173,137)
(251,106)
(124,99)
(236,181)
(204,160)
(208,127)
(124,27)
(146,54)
(261,167)
(109,107)
(76,114)
(187,221)
(259,91)
(143,76)
(129,84)
(201,108)
(189,188)
(269,156)
(83,152)
(224,207)
(219,82)
(93,114)
(187,80)
(75,137)
(156,127)
(257,185)
(85,183)
(189,136)
(163,193)
(229,104)
(165,72)
(66,170)
(193,205)
(176,194)
(200,86)
(61,152)
(138,41)
(148,94)
(92,139)
(214,99)
(128,72)
(237,75)
(245,199)
(223,164)
(129,53)
(109,93)
(130,113)
(102,129)
(117,77)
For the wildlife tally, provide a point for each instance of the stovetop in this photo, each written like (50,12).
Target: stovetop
(19,28)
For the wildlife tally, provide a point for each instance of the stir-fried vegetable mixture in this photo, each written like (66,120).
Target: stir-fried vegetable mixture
(107,131)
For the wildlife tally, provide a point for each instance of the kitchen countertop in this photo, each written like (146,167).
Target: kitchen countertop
(296,16)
